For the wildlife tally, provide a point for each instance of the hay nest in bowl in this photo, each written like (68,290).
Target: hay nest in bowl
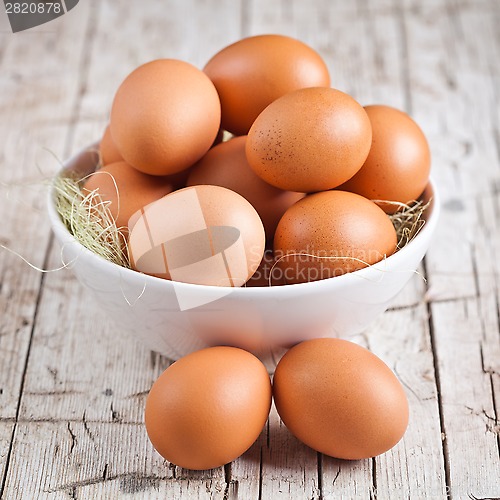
(408,220)
(88,218)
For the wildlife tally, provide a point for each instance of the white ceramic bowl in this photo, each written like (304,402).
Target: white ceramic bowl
(178,318)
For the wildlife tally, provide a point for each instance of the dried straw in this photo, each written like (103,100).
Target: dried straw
(408,220)
(88,218)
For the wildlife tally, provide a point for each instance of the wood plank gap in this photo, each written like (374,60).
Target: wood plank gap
(444,443)
(496,135)
(260,468)
(227,479)
(492,383)
(475,273)
(245,8)
(404,54)
(320,475)
(451,299)
(493,399)
(25,367)
(497,302)
(373,493)
(83,72)
(73,420)
(3,48)
(406,307)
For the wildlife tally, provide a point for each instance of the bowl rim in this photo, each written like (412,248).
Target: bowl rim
(368,273)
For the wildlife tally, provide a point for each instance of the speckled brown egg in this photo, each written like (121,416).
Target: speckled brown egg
(334,232)
(398,164)
(165,116)
(208,408)
(126,190)
(107,149)
(309,140)
(340,399)
(252,73)
(206,235)
(226,165)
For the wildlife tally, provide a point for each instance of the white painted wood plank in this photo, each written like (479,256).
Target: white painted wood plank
(453,86)
(470,424)
(289,468)
(346,479)
(414,468)
(244,473)
(36,102)
(446,95)
(83,368)
(6,429)
(97,460)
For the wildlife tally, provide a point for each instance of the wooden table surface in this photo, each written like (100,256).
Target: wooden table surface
(73,387)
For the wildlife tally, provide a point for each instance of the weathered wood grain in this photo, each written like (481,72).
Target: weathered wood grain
(415,468)
(6,429)
(470,420)
(79,432)
(36,103)
(97,460)
(289,468)
(452,87)
(243,476)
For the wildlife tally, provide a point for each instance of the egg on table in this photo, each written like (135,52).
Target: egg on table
(208,408)
(340,399)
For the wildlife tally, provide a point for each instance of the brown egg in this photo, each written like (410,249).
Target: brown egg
(207,235)
(252,73)
(126,189)
(309,140)
(107,149)
(340,232)
(226,165)
(340,399)
(165,116)
(399,161)
(208,408)
(109,154)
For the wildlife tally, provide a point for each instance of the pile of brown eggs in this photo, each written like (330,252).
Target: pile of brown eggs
(297,177)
